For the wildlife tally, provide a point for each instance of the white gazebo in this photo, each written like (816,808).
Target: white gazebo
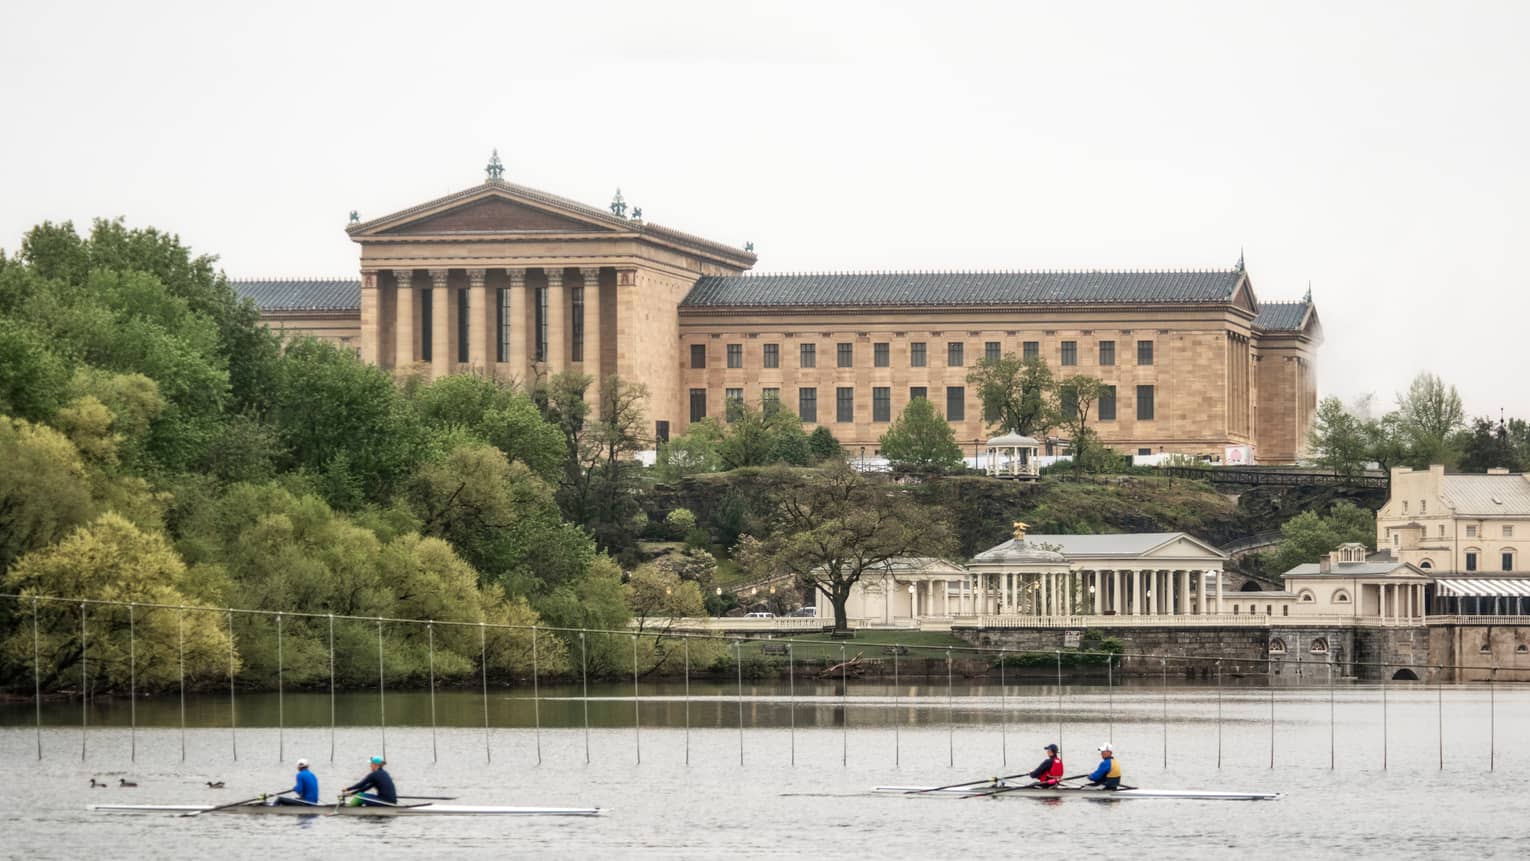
(1013,456)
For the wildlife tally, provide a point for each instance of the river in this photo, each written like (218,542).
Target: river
(794,780)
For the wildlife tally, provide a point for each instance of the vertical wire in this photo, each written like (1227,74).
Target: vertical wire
(844,709)
(233,720)
(738,665)
(180,630)
(791,681)
(584,673)
(483,668)
(1384,745)
(1332,717)
(1003,713)
(281,717)
(950,716)
(637,704)
(1272,723)
(331,687)
(1165,662)
(1493,718)
(1110,696)
(382,704)
(132,686)
(1439,689)
(687,699)
(1058,654)
(536,696)
(897,705)
(1219,714)
(84,686)
(37,677)
(430,631)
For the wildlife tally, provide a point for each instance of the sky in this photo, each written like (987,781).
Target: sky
(1374,150)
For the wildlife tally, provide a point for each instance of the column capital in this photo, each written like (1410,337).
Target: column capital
(438,277)
(517,277)
(369,279)
(590,274)
(554,275)
(404,277)
(476,277)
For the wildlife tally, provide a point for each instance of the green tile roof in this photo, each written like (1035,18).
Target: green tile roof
(300,294)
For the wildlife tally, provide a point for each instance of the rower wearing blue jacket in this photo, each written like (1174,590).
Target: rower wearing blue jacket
(379,782)
(306,788)
(1108,773)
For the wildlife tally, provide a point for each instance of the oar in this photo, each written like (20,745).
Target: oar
(1003,789)
(431,797)
(968,783)
(234,804)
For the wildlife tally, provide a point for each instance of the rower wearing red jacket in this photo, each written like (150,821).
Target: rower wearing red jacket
(1050,772)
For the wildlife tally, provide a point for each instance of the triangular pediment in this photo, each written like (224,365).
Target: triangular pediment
(1243,296)
(1183,546)
(492,215)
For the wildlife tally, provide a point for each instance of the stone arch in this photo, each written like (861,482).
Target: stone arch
(1277,646)
(1426,564)
(1250,586)
(1306,597)
(1341,597)
(1320,646)
(1405,675)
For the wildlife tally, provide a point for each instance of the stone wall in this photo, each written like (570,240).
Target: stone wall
(1482,651)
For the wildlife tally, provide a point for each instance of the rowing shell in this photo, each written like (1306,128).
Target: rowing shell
(332,810)
(1077,792)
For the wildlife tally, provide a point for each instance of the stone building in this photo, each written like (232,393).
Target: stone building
(1458,524)
(506,280)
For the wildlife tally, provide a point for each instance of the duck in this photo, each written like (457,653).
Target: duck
(125,783)
(214,784)
(96,785)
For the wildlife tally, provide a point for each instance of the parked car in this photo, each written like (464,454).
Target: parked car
(760,614)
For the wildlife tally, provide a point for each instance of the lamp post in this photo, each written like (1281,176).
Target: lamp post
(975,441)
(863,458)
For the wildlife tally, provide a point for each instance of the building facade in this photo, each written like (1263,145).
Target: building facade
(1458,524)
(504,280)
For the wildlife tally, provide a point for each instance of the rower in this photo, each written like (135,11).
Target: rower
(1050,771)
(306,788)
(1108,773)
(379,781)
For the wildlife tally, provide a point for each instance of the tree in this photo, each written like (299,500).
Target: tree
(921,439)
(823,445)
(1486,444)
(829,527)
(32,377)
(763,436)
(1308,536)
(494,412)
(1339,441)
(655,592)
(601,472)
(45,489)
(1385,441)
(1014,393)
(1076,396)
(692,452)
(1431,412)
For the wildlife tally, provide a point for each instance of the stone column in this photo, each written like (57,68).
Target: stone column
(479,318)
(592,351)
(1184,593)
(1205,607)
(557,322)
(371,322)
(1115,593)
(1218,576)
(518,348)
(406,344)
(1099,592)
(443,325)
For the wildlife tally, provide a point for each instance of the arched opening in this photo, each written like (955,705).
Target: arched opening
(1306,597)
(1320,646)
(1426,564)
(1405,675)
(1249,586)
(1341,597)
(1522,648)
(1277,646)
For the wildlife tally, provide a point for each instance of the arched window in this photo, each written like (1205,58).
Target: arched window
(1306,597)
(1341,597)
(1320,646)
(1426,564)
(1486,647)
(1405,675)
(1522,648)
(1277,646)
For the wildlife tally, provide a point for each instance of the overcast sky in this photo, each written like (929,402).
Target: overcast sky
(1377,150)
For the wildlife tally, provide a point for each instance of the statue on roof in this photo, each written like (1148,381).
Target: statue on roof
(637,213)
(355,217)
(618,206)
(494,169)
(749,246)
(1020,527)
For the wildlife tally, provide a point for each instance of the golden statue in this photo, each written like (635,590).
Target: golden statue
(1020,527)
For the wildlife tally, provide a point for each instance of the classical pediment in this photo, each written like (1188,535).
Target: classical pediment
(493,215)
(1183,546)
(1243,296)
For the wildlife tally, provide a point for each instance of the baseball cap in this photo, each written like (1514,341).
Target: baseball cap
(1106,747)
(1051,747)
(377,760)
(302,763)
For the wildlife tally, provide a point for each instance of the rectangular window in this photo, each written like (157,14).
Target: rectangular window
(844,404)
(427,326)
(916,358)
(956,355)
(698,355)
(772,355)
(661,431)
(1069,353)
(541,324)
(733,404)
(735,355)
(1471,561)
(698,404)
(1144,352)
(1471,532)
(807,404)
(991,351)
(956,404)
(464,323)
(1069,398)
(1107,352)
(918,392)
(1508,531)
(808,356)
(576,328)
(502,326)
(1145,403)
(1107,404)
(881,355)
(1508,561)
(1030,350)
(1144,452)
(844,355)
(881,404)
(770,401)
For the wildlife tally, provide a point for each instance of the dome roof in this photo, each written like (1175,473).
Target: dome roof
(1012,439)
(1020,552)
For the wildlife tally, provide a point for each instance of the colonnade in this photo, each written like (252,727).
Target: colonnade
(1118,592)
(1400,602)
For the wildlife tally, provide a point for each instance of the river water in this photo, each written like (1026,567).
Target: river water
(794,780)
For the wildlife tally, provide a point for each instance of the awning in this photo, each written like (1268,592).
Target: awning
(1468,587)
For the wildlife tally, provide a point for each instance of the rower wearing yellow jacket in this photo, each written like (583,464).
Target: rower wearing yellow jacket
(1108,773)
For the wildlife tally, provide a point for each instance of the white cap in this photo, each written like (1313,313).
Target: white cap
(302,763)
(1106,748)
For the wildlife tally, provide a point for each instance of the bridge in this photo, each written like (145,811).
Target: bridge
(1277,476)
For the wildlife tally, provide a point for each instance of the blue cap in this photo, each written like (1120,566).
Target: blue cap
(377,760)
(1051,747)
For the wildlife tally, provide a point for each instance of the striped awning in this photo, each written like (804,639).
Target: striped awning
(1466,587)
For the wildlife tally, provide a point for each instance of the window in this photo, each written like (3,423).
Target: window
(956,355)
(772,355)
(1423,506)
(770,401)
(733,404)
(1107,404)
(916,357)
(881,404)
(1144,452)
(1306,597)
(1405,506)
(808,357)
(918,392)
(879,355)
(807,404)
(844,404)
(427,315)
(1069,398)
(541,323)
(576,328)
(1341,597)
(1471,560)
(1507,561)
(660,431)
(1320,646)
(698,404)
(735,355)
(464,323)
(845,355)
(698,355)
(956,403)
(1471,532)
(502,326)
(1277,646)
(991,351)
(1069,352)
(1144,352)
(1030,350)
(1442,530)
(1107,352)
(1508,531)
(1426,565)
(1145,403)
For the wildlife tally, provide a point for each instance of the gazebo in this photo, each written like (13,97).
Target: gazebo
(1013,456)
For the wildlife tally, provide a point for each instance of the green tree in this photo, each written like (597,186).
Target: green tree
(829,527)
(1430,414)
(45,489)
(1486,444)
(32,376)
(1339,440)
(1309,536)
(921,440)
(692,452)
(1014,393)
(655,593)
(496,413)
(602,475)
(823,445)
(1076,397)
